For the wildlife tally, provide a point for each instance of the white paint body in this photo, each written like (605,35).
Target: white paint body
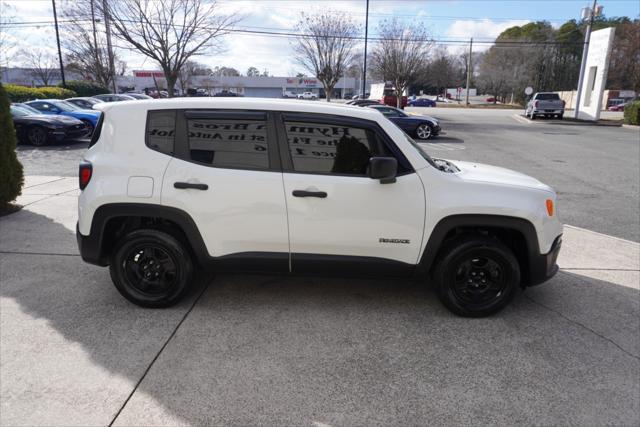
(253,211)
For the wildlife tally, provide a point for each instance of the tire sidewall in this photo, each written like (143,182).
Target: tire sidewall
(430,133)
(37,129)
(179,254)
(489,248)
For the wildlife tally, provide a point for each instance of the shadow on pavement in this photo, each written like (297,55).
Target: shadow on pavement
(283,350)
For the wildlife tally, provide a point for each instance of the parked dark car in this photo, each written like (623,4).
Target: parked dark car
(114,97)
(422,102)
(226,93)
(363,102)
(39,129)
(421,127)
(84,102)
(64,108)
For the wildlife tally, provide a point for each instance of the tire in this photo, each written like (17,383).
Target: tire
(424,131)
(464,271)
(89,126)
(37,136)
(560,116)
(151,268)
(533,116)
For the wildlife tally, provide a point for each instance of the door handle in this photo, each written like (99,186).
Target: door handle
(304,193)
(186,185)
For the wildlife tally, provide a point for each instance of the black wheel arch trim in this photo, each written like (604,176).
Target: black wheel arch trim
(539,267)
(91,246)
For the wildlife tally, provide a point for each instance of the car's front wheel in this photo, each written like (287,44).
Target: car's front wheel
(476,276)
(89,126)
(151,268)
(37,136)
(424,131)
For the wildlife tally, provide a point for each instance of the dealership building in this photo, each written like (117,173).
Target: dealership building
(260,87)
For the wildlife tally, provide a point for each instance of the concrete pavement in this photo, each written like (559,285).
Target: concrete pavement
(307,351)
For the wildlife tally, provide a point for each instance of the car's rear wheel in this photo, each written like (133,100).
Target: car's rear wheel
(151,268)
(476,276)
(37,136)
(424,131)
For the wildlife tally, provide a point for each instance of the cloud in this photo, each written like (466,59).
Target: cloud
(484,29)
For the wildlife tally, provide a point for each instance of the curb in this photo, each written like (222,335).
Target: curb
(568,122)
(634,127)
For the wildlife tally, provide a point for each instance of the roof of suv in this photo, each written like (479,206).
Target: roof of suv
(245,104)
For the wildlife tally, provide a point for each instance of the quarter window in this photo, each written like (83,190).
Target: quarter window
(327,148)
(161,130)
(228,143)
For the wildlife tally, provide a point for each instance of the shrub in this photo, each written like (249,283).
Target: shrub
(11,177)
(83,88)
(23,93)
(632,113)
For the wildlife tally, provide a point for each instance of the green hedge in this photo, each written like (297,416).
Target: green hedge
(83,88)
(23,93)
(632,113)
(11,174)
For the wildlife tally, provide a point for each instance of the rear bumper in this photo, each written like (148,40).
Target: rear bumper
(543,267)
(89,247)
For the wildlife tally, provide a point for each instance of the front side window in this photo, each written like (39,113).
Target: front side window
(228,143)
(327,148)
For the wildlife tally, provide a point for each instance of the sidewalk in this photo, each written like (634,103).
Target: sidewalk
(278,350)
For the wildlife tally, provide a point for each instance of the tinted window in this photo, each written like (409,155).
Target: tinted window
(228,143)
(161,129)
(332,148)
(548,96)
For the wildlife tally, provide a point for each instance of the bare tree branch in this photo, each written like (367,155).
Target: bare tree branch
(327,48)
(170,31)
(401,54)
(43,65)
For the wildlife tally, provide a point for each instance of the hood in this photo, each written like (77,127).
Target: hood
(478,172)
(52,119)
(65,120)
(422,118)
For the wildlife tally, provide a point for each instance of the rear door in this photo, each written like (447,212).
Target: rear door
(338,216)
(226,174)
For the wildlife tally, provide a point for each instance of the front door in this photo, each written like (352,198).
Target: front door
(335,211)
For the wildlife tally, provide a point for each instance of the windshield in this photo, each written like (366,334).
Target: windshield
(25,110)
(65,106)
(420,150)
(19,111)
(548,96)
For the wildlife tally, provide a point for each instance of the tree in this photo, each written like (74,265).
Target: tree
(400,56)
(11,175)
(43,65)
(253,72)
(87,49)
(624,69)
(169,31)
(225,72)
(7,42)
(189,70)
(326,49)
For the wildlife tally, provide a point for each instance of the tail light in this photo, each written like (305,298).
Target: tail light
(84,174)
(535,104)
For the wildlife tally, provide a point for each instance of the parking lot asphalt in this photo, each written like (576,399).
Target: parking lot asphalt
(247,350)
(594,169)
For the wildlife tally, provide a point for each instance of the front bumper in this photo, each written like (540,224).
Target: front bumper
(543,267)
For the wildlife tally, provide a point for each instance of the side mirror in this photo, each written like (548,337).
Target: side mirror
(384,169)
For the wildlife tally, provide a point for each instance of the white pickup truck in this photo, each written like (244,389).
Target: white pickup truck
(547,104)
(307,95)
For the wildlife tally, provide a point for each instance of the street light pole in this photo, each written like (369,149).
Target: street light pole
(364,68)
(109,46)
(583,65)
(55,19)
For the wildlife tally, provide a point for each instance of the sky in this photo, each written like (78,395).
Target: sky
(452,20)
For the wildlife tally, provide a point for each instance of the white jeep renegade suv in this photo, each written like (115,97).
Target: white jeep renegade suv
(267,185)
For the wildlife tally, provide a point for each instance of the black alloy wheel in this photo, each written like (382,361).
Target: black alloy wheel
(476,276)
(37,136)
(151,268)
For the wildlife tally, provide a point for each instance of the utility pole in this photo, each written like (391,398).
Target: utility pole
(364,68)
(55,18)
(95,37)
(585,52)
(469,68)
(109,46)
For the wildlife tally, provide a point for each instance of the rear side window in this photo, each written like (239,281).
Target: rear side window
(161,130)
(327,148)
(228,142)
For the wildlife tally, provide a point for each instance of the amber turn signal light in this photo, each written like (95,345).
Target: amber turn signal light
(550,207)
